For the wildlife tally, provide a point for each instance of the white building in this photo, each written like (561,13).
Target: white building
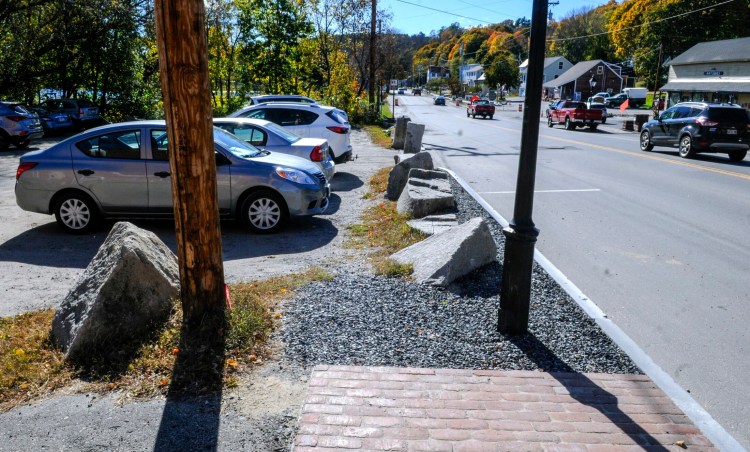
(553,68)
(470,74)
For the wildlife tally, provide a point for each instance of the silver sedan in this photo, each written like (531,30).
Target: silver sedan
(122,171)
(275,138)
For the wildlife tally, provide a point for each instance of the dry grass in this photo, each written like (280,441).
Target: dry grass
(384,229)
(378,135)
(31,367)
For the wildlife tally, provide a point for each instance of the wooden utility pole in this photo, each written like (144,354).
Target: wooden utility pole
(373,41)
(183,62)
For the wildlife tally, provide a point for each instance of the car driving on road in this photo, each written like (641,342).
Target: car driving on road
(696,127)
(122,171)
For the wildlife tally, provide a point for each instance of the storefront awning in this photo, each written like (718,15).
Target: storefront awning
(708,86)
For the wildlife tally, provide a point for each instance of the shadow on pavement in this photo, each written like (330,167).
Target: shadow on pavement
(585,391)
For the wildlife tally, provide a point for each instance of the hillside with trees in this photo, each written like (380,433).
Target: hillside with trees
(105,50)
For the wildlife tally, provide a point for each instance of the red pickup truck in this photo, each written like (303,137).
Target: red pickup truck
(575,114)
(480,107)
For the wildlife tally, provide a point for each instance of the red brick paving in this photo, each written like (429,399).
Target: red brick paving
(407,409)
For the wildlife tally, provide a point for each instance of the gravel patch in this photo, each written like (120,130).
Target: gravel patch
(360,319)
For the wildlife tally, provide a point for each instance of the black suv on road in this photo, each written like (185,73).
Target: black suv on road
(700,127)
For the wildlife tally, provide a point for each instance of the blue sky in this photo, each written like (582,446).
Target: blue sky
(414,16)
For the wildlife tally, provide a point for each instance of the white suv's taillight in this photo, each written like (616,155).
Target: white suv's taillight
(338,129)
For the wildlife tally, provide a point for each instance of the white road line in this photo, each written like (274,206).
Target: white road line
(538,191)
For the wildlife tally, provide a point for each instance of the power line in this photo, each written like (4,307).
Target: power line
(640,25)
(445,12)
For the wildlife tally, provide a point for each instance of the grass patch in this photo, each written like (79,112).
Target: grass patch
(386,230)
(32,367)
(378,135)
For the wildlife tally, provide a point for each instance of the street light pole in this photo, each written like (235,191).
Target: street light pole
(521,234)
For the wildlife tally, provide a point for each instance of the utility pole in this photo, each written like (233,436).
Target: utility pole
(183,62)
(521,234)
(655,105)
(461,70)
(371,92)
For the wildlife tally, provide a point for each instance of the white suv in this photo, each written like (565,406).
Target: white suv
(307,120)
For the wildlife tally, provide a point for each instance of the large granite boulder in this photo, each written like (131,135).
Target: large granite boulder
(413,139)
(399,132)
(400,173)
(426,192)
(442,258)
(124,295)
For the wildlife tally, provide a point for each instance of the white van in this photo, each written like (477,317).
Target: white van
(637,96)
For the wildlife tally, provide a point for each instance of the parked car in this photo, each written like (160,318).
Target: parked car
(265,98)
(83,112)
(122,171)
(439,100)
(269,136)
(599,106)
(616,101)
(696,127)
(18,126)
(416,92)
(307,120)
(401,91)
(575,114)
(552,106)
(52,122)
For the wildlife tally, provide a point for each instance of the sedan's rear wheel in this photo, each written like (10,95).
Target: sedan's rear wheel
(569,125)
(686,147)
(646,144)
(549,121)
(264,212)
(23,144)
(737,156)
(76,213)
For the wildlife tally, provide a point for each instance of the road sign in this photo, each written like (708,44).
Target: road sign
(394,83)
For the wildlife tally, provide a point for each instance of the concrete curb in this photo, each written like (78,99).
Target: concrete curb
(700,417)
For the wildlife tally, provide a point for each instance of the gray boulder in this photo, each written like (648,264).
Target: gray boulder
(124,294)
(413,140)
(426,192)
(400,173)
(434,224)
(442,258)
(399,132)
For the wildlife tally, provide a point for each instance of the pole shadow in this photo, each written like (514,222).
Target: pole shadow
(585,391)
(192,413)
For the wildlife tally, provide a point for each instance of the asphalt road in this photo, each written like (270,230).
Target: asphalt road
(659,243)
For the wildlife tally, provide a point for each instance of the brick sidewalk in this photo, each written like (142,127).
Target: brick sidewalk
(385,408)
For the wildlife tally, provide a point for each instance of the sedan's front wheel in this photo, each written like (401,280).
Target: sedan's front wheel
(264,212)
(737,156)
(76,213)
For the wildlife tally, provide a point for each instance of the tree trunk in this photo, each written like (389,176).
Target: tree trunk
(183,60)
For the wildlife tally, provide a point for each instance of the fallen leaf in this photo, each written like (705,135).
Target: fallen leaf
(277,315)
(680,443)
(252,357)
(175,351)
(232,362)
(20,352)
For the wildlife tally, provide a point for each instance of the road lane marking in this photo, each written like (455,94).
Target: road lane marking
(643,155)
(540,191)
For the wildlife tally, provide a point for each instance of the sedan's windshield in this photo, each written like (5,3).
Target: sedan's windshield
(283,133)
(237,147)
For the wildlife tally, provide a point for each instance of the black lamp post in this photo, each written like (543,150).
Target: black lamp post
(521,234)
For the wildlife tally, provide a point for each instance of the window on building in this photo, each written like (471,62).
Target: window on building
(559,65)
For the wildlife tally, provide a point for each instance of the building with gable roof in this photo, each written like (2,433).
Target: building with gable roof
(586,79)
(715,71)
(553,68)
